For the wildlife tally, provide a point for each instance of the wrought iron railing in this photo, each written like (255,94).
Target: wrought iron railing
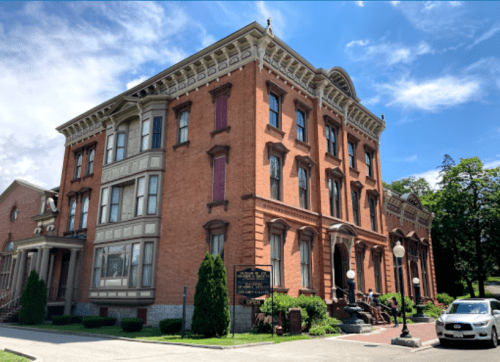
(14,303)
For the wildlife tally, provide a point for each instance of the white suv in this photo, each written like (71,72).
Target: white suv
(473,319)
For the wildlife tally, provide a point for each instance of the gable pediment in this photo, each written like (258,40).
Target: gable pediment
(122,104)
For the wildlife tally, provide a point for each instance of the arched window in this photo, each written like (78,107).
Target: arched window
(13,214)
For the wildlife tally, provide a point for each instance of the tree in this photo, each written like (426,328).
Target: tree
(418,186)
(204,321)
(221,298)
(33,300)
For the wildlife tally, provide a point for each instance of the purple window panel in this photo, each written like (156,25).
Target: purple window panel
(219,178)
(221,113)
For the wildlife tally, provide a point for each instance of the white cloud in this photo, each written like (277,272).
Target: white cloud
(278,24)
(432,177)
(360,3)
(455,3)
(495,29)
(492,164)
(56,65)
(372,101)
(433,95)
(136,81)
(411,158)
(386,53)
(394,3)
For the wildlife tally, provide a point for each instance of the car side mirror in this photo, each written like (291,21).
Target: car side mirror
(443,312)
(496,312)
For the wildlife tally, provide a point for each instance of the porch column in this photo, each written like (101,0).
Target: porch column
(14,277)
(49,281)
(44,263)
(32,262)
(20,273)
(77,274)
(70,282)
(38,261)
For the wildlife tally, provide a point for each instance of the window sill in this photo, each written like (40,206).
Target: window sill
(307,291)
(76,234)
(371,179)
(76,180)
(224,129)
(90,175)
(333,157)
(217,203)
(180,145)
(281,289)
(274,129)
(302,143)
(354,170)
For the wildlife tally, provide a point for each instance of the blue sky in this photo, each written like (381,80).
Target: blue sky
(433,69)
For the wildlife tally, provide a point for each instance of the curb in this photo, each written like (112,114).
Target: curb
(33,358)
(96,335)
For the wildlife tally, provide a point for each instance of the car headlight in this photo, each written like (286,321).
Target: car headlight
(439,323)
(481,324)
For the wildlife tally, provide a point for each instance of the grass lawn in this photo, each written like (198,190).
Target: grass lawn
(476,288)
(154,334)
(11,357)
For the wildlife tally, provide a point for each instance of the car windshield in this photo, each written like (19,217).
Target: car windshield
(468,308)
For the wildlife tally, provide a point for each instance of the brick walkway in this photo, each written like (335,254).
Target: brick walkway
(383,334)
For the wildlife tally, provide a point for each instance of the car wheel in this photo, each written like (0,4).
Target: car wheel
(494,338)
(444,342)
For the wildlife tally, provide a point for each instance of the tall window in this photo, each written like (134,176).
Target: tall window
(115,261)
(147,265)
(13,214)
(305,263)
(369,166)
(331,140)
(120,146)
(141,189)
(373,213)
(97,267)
(84,212)
(355,206)
(360,271)
(78,165)
(219,180)
(115,202)
(157,132)
(183,127)
(376,271)
(276,258)
(301,126)
(274,110)
(217,245)
(145,135)
(221,112)
(90,161)
(275,167)
(72,212)
(109,150)
(134,265)
(352,152)
(303,188)
(334,189)
(104,205)
(152,194)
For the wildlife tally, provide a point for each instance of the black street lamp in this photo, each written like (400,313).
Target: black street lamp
(399,252)
(419,306)
(352,308)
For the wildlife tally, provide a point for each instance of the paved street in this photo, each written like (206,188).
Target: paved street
(60,347)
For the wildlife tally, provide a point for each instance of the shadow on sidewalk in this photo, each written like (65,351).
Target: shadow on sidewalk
(46,337)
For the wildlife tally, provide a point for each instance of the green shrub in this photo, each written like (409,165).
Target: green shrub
(76,319)
(408,321)
(131,324)
(170,326)
(204,320)
(33,300)
(61,320)
(444,298)
(97,322)
(329,324)
(432,310)
(221,298)
(408,302)
(317,331)
(314,306)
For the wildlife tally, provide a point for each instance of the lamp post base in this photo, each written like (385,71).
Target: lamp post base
(424,319)
(412,342)
(356,328)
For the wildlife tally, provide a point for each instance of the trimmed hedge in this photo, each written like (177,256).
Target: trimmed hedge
(131,324)
(170,326)
(61,320)
(96,322)
(444,298)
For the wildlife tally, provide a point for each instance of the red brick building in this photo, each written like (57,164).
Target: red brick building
(243,149)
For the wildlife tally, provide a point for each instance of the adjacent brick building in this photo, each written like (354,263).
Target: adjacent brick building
(243,149)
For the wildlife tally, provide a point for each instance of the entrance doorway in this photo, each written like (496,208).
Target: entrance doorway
(338,261)
(61,291)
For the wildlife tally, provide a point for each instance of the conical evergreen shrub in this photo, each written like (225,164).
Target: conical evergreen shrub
(221,298)
(33,300)
(204,320)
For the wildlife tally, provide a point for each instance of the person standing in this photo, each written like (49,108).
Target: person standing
(394,309)
(377,309)
(370,296)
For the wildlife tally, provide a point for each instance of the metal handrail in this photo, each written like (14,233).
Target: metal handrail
(5,297)
(364,295)
(13,301)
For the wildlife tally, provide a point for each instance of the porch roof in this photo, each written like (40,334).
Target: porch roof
(49,242)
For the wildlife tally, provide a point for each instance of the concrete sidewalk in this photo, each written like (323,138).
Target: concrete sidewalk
(383,334)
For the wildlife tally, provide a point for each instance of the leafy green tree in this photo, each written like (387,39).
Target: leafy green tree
(204,320)
(418,186)
(33,300)
(221,298)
